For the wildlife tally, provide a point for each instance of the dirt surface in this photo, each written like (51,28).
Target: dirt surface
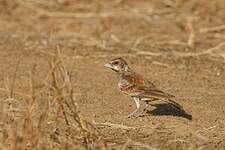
(177,44)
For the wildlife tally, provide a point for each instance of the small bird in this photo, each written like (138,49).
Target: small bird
(136,86)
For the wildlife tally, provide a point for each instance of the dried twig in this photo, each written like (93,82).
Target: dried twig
(212,29)
(126,145)
(135,13)
(141,52)
(61,14)
(208,51)
(139,40)
(14,78)
(83,57)
(15,92)
(116,126)
(143,145)
(160,64)
(192,35)
(173,42)
(135,143)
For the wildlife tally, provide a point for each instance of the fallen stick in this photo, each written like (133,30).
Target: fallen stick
(112,125)
(212,29)
(208,51)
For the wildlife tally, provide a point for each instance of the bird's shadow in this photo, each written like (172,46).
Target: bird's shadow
(169,110)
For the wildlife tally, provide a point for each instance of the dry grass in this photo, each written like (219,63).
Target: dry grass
(46,117)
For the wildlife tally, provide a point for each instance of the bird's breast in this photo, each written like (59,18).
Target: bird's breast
(126,88)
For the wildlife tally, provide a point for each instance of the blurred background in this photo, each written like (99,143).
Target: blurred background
(56,94)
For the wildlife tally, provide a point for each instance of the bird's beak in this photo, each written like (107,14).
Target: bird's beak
(108,66)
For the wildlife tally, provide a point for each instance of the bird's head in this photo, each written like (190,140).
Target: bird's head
(118,65)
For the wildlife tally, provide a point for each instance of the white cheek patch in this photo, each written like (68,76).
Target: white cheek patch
(126,68)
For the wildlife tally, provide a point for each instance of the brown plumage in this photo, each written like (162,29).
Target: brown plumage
(136,86)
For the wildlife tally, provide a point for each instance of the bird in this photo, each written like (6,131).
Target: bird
(138,87)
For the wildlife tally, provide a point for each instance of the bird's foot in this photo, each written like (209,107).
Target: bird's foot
(139,114)
(133,114)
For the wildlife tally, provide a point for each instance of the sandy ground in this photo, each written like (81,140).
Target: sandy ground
(178,45)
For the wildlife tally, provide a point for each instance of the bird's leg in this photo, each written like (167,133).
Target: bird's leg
(137,102)
(143,108)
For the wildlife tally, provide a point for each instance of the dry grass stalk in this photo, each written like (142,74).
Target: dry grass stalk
(138,144)
(126,145)
(135,12)
(192,35)
(208,51)
(116,126)
(61,85)
(212,29)
(67,14)
(14,79)
(34,119)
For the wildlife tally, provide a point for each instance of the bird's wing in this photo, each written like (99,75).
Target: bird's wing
(158,95)
(139,86)
(153,93)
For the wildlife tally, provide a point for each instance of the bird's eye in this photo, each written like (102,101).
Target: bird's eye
(116,62)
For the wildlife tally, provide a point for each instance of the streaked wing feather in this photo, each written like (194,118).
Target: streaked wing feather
(139,86)
(136,86)
(154,93)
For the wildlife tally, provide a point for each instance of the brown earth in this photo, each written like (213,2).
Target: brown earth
(177,44)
